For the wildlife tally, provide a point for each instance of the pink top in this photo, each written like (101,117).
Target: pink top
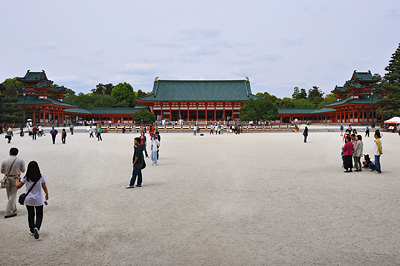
(348,148)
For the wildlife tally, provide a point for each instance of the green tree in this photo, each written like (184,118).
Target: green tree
(124,94)
(144,116)
(286,103)
(103,89)
(10,111)
(140,93)
(248,111)
(330,98)
(266,109)
(389,104)
(296,93)
(302,94)
(303,103)
(315,95)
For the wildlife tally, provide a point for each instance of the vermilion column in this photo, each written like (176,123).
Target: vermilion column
(197,111)
(170,112)
(162,114)
(206,110)
(223,112)
(215,111)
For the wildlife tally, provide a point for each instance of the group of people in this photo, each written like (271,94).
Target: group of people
(353,150)
(35,182)
(139,163)
(217,128)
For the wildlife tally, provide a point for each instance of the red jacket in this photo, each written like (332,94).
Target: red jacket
(348,148)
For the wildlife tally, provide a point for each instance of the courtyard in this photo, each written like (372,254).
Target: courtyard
(248,199)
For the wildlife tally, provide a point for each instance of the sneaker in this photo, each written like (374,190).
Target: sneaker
(31,233)
(129,186)
(36,233)
(139,185)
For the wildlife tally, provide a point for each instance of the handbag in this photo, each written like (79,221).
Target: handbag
(22,197)
(5,183)
(144,164)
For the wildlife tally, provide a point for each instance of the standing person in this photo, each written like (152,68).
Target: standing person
(194,130)
(348,153)
(53,133)
(35,182)
(350,128)
(212,129)
(98,133)
(12,167)
(159,140)
(154,148)
(63,135)
(21,131)
(143,143)
(138,162)
(34,132)
(341,129)
(367,131)
(358,152)
(91,132)
(305,134)
(71,128)
(378,151)
(9,134)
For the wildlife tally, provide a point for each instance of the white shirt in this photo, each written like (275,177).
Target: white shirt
(35,197)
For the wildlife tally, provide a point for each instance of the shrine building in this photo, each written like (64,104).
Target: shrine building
(356,103)
(197,100)
(41,99)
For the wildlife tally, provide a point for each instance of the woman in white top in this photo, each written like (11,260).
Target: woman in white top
(34,200)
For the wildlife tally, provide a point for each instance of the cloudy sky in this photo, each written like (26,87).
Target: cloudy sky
(277,44)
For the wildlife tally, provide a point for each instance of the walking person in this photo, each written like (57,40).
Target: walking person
(71,129)
(143,143)
(21,132)
(53,133)
(378,151)
(34,132)
(367,131)
(63,136)
(341,129)
(35,183)
(91,132)
(98,133)
(305,134)
(159,140)
(154,148)
(9,134)
(138,162)
(357,153)
(11,168)
(348,153)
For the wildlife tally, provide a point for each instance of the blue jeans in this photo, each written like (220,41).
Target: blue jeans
(137,171)
(378,163)
(154,156)
(305,139)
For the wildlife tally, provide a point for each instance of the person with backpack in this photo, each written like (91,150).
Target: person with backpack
(63,136)
(53,133)
(35,183)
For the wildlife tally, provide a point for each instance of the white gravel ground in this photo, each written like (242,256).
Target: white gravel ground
(249,199)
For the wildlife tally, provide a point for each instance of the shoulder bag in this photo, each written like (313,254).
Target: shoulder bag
(22,197)
(5,182)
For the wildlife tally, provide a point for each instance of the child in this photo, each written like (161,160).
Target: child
(367,163)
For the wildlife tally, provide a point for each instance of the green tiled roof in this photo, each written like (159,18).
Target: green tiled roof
(341,89)
(35,100)
(364,99)
(105,111)
(200,91)
(33,76)
(364,76)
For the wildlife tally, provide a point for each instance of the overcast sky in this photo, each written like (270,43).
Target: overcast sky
(277,44)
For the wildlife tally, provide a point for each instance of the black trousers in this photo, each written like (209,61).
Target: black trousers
(53,137)
(348,162)
(31,216)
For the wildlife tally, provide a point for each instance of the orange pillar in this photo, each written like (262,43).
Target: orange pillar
(223,112)
(215,111)
(197,111)
(170,112)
